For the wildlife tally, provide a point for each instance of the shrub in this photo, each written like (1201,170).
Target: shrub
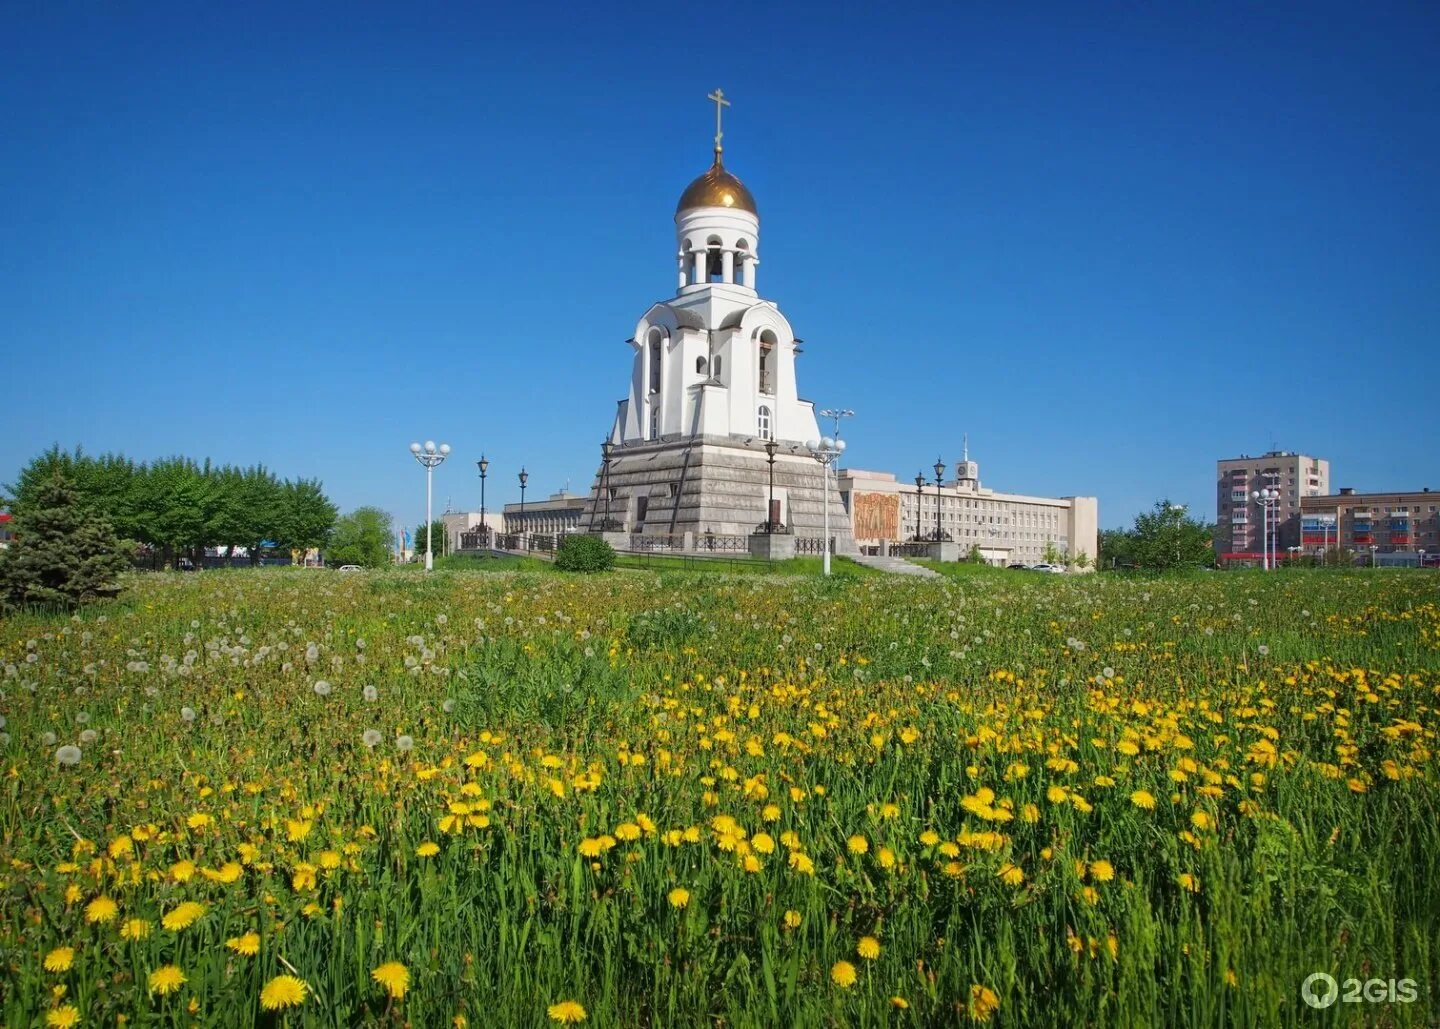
(584,554)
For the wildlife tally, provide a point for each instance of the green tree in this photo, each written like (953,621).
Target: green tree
(306,516)
(1052,555)
(441,544)
(1117,549)
(1165,538)
(64,554)
(975,557)
(362,537)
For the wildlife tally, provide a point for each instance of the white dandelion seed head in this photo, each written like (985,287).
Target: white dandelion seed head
(448,707)
(187,713)
(371,738)
(48,739)
(68,755)
(89,736)
(1108,672)
(1263,650)
(322,688)
(83,717)
(405,743)
(370,692)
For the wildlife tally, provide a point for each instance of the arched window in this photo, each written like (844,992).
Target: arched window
(763,420)
(714,262)
(716,375)
(766,362)
(701,366)
(657,345)
(742,262)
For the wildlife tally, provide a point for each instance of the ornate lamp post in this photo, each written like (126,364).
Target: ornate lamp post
(605,450)
(431,457)
(827,451)
(484,467)
(524,478)
(939,478)
(1268,499)
(919,500)
(770,448)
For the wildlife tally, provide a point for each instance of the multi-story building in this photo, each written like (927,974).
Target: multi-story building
(1004,527)
(1403,526)
(1240,519)
(560,512)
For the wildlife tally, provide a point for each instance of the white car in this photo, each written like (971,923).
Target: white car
(1053,569)
(351,568)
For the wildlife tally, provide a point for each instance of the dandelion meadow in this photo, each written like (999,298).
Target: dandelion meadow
(298,798)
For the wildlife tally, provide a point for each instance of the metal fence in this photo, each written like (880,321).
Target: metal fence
(813,544)
(712,542)
(641,542)
(910,549)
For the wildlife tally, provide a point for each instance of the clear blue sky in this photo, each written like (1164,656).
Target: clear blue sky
(1112,244)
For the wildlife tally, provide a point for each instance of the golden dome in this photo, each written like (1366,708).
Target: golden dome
(717,188)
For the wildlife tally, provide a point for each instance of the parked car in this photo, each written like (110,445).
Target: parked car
(1053,569)
(1019,567)
(184,564)
(350,568)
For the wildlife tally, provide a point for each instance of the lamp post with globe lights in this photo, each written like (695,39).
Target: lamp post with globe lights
(431,457)
(827,451)
(1268,499)
(524,480)
(771,447)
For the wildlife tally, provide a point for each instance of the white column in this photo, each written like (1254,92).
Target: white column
(752,265)
(644,390)
(700,265)
(680,269)
(727,265)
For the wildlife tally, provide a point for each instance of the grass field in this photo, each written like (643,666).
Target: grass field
(654,798)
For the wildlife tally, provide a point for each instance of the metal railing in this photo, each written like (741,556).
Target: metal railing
(642,542)
(711,542)
(813,544)
(910,549)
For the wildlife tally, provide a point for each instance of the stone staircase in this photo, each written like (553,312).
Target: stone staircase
(895,566)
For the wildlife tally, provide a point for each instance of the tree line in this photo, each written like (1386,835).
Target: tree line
(1163,538)
(177,506)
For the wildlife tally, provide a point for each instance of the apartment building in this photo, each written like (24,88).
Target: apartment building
(1240,518)
(1404,526)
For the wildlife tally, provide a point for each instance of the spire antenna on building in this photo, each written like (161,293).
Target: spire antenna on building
(718,98)
(965,446)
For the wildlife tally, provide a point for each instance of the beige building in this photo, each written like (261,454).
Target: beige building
(1007,528)
(1240,520)
(558,513)
(1405,527)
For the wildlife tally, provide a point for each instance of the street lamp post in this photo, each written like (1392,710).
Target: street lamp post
(939,475)
(431,457)
(605,448)
(1374,554)
(524,478)
(919,502)
(770,448)
(1267,499)
(827,451)
(484,465)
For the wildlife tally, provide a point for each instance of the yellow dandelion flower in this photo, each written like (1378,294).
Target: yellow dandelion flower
(1102,871)
(1202,821)
(183,916)
(678,897)
(166,979)
(427,849)
(394,976)
(899,1002)
(248,945)
(763,843)
(60,959)
(887,857)
(799,862)
(1188,882)
(983,1003)
(1143,799)
(842,974)
(101,909)
(929,838)
(135,929)
(868,948)
(63,1017)
(329,859)
(284,991)
(857,844)
(567,1011)
(792,920)
(1011,875)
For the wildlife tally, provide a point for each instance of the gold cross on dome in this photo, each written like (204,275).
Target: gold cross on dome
(718,98)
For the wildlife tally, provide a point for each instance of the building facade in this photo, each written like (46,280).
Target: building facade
(712,381)
(1403,526)
(1240,519)
(557,514)
(1006,528)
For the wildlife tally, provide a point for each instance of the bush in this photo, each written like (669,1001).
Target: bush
(584,554)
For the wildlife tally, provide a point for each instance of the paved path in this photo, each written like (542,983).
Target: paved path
(895,566)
